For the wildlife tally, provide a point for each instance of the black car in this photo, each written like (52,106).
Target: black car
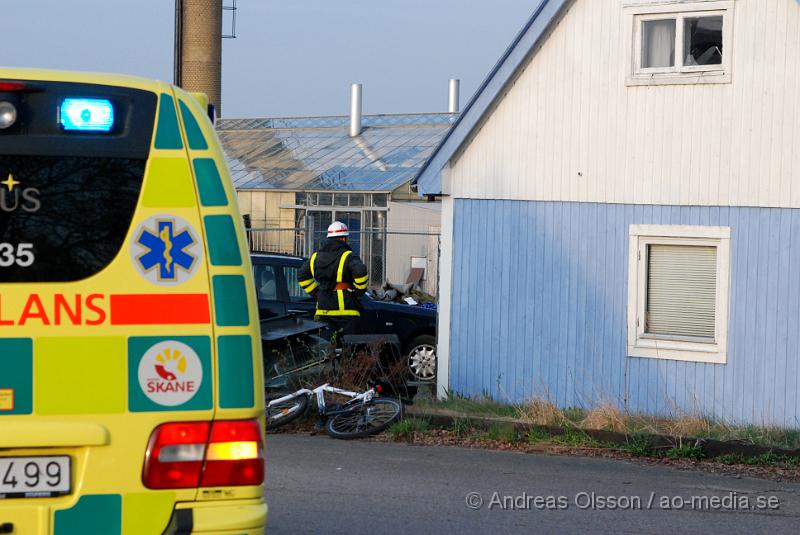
(280,294)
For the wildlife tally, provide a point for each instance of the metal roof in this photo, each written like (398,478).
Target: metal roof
(317,153)
(527,41)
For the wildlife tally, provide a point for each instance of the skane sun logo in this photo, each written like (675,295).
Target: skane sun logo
(170,362)
(170,373)
(165,250)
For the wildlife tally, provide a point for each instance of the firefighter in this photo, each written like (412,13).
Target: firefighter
(336,278)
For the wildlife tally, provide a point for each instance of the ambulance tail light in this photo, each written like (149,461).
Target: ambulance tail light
(204,454)
(235,454)
(174,457)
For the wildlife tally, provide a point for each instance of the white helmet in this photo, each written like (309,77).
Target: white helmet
(338,230)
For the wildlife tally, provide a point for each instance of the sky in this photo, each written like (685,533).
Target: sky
(290,57)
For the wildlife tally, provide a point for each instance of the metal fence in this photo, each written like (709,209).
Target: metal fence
(390,255)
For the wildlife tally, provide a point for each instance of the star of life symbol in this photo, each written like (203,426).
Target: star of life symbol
(165,250)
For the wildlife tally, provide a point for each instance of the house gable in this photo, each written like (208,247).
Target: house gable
(429,180)
(572,128)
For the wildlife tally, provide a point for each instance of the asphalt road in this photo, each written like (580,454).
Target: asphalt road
(321,485)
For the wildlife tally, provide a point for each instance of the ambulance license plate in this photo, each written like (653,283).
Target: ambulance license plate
(34,477)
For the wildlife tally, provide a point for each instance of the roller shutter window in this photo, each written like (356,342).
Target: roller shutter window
(681,291)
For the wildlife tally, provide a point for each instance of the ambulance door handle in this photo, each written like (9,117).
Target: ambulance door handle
(44,434)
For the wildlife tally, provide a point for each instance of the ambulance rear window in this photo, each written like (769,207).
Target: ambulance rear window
(70,178)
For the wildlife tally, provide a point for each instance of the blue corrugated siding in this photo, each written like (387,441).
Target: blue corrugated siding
(540,307)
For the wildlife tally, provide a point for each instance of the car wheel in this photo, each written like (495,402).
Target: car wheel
(422,357)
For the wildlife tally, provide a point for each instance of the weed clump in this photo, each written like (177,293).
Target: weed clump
(639,446)
(462,427)
(541,412)
(686,451)
(689,426)
(765,459)
(606,417)
(407,428)
(575,438)
(537,435)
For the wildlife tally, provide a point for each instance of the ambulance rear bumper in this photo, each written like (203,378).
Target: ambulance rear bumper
(237,516)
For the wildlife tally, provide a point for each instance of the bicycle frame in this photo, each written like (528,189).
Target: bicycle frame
(319,392)
(354,396)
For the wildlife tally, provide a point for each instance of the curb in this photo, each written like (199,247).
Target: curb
(711,447)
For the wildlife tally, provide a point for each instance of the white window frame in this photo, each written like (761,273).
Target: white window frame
(639,12)
(641,344)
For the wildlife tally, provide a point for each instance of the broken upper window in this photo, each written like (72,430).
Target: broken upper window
(682,47)
(702,38)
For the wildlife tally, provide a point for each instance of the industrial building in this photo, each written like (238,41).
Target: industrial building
(294,176)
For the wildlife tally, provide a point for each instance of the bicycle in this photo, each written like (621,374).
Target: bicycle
(364,414)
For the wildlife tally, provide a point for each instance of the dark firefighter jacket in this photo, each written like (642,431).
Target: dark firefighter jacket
(336,278)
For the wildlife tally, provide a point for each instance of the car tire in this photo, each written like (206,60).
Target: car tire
(421,356)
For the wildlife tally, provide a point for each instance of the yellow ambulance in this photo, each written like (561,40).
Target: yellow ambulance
(131,386)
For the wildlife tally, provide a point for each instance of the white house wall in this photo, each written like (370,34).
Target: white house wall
(570,129)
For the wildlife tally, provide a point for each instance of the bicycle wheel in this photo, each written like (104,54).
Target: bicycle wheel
(364,419)
(286,411)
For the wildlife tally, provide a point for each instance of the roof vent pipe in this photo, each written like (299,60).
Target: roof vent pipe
(452,102)
(355,110)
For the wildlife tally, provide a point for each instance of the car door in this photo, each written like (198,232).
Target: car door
(372,318)
(297,299)
(270,304)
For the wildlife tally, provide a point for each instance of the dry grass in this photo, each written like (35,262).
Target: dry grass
(541,412)
(605,416)
(354,370)
(688,426)
(608,416)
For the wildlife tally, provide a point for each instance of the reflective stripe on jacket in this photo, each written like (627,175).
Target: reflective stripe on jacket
(327,274)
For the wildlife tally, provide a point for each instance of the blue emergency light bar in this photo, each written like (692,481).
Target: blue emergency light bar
(87,115)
